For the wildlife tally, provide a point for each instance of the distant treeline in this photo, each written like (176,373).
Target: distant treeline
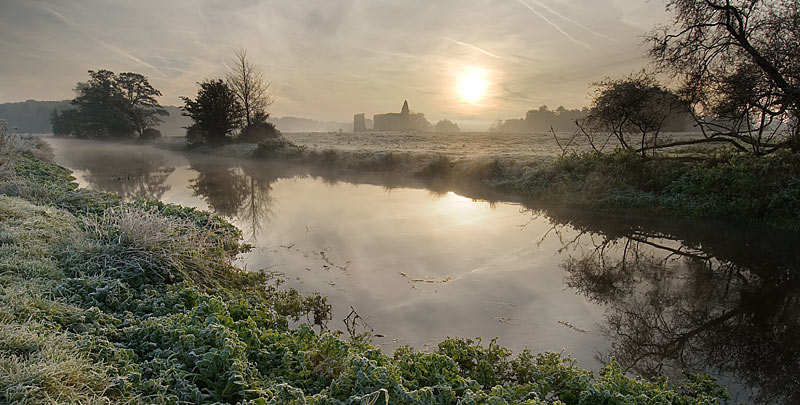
(295,124)
(33,117)
(563,120)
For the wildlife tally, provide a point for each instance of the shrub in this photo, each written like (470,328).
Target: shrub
(278,147)
(258,132)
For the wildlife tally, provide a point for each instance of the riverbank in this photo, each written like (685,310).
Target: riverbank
(707,184)
(138,302)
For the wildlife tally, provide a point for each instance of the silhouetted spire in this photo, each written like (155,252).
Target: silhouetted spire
(404,111)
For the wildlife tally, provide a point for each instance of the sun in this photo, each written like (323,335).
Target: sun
(472,85)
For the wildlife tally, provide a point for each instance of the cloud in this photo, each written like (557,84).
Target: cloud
(565,18)
(553,24)
(328,59)
(70,22)
(471,46)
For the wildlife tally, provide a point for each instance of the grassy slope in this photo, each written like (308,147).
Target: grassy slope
(108,302)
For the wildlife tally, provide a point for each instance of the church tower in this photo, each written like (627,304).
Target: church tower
(404,111)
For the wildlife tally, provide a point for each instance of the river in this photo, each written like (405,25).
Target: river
(419,262)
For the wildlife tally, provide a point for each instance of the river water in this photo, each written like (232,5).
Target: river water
(419,262)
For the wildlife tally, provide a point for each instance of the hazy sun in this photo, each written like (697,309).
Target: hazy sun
(472,85)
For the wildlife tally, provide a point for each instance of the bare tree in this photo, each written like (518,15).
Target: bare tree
(636,106)
(250,87)
(739,64)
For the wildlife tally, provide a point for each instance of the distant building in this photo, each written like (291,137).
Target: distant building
(404,121)
(359,123)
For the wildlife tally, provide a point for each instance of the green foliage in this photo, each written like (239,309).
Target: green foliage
(111,106)
(138,303)
(65,122)
(753,189)
(216,111)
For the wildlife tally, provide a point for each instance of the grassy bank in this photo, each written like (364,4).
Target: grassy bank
(104,301)
(756,190)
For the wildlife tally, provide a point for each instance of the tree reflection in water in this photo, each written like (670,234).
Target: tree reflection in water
(714,300)
(238,192)
(141,175)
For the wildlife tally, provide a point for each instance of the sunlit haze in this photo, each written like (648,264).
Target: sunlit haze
(472,85)
(330,59)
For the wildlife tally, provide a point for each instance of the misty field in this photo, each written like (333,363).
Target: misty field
(513,146)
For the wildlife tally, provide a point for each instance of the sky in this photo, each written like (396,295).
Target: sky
(471,61)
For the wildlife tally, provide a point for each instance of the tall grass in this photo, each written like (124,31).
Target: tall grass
(140,244)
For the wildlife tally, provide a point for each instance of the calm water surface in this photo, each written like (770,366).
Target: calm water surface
(421,262)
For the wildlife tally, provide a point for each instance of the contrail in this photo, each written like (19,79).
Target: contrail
(554,25)
(77,27)
(224,63)
(562,16)
(470,46)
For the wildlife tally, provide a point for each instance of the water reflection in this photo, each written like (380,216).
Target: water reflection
(240,192)
(421,261)
(715,299)
(142,174)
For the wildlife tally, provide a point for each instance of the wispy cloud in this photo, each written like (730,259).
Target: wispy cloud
(471,46)
(77,27)
(553,24)
(563,17)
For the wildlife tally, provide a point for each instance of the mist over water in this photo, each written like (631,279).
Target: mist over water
(420,265)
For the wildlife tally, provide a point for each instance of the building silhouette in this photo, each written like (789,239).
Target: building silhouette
(403,121)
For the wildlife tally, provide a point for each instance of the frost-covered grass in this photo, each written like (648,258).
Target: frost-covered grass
(758,190)
(110,302)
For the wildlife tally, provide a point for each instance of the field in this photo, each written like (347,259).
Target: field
(478,145)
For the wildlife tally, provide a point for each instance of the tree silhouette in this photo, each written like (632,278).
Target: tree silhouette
(110,105)
(635,106)
(216,111)
(140,97)
(249,86)
(739,65)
